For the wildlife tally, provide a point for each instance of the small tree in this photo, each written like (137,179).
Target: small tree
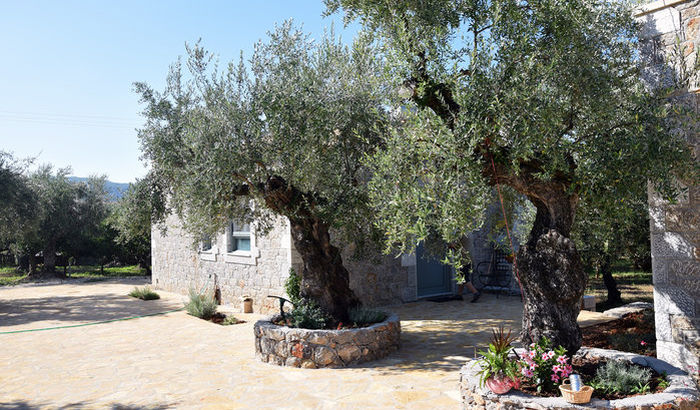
(285,137)
(131,218)
(18,204)
(542,96)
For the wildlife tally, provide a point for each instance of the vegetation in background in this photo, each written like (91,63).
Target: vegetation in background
(364,317)
(131,219)
(144,293)
(543,97)
(200,305)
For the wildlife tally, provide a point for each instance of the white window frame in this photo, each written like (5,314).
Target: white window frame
(242,257)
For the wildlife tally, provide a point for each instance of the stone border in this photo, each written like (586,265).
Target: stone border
(681,393)
(311,349)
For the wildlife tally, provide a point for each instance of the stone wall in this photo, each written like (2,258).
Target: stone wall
(178,266)
(670,44)
(311,349)
(378,280)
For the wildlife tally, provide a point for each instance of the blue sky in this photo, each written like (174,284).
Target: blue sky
(68,67)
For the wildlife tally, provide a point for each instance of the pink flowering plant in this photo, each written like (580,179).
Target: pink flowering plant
(543,366)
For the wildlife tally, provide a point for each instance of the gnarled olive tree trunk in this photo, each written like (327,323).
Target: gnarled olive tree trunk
(324,279)
(551,275)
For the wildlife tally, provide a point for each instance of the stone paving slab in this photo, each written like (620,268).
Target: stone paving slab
(178,361)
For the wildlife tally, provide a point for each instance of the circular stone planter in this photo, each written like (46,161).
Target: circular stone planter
(311,349)
(681,393)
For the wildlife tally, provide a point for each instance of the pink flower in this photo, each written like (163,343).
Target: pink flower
(550,354)
(527,372)
(556,368)
(532,345)
(545,356)
(555,378)
(531,354)
(643,343)
(562,359)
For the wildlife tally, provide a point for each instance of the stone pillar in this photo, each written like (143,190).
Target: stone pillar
(670,44)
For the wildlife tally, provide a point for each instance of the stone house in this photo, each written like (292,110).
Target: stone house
(239,263)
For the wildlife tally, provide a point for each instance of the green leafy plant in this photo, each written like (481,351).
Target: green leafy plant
(620,377)
(363,317)
(293,286)
(230,320)
(307,315)
(495,361)
(664,383)
(200,305)
(144,293)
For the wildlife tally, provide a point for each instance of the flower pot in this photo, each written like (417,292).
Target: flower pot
(247,305)
(499,385)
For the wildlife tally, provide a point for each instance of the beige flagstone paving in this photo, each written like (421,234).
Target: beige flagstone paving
(178,361)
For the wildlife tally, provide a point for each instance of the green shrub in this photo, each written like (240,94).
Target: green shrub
(307,315)
(144,293)
(363,317)
(621,377)
(293,287)
(230,320)
(200,305)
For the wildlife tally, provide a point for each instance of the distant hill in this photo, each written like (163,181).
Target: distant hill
(115,190)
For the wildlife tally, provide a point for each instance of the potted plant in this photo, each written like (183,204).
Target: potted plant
(498,371)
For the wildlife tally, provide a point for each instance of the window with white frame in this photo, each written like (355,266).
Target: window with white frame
(239,239)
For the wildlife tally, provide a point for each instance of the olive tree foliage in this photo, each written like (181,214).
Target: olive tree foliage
(18,204)
(283,135)
(131,219)
(542,96)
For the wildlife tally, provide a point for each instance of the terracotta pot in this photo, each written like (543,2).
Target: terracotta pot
(499,385)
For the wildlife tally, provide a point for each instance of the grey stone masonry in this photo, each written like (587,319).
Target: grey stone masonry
(178,266)
(312,349)
(378,280)
(670,45)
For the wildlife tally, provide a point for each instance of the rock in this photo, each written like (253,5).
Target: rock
(323,356)
(293,362)
(308,364)
(349,353)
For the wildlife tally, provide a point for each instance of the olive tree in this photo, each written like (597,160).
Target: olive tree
(18,205)
(541,96)
(282,135)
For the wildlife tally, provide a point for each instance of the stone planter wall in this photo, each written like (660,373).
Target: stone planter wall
(286,346)
(682,392)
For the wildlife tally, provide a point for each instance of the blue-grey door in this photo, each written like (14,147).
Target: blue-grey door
(434,278)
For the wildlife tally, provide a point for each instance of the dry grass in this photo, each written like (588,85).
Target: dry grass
(636,286)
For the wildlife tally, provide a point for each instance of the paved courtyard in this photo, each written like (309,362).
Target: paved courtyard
(177,361)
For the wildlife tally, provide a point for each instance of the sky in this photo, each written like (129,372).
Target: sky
(67,69)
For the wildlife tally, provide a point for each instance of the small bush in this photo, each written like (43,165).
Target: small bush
(621,377)
(144,293)
(200,305)
(230,320)
(293,286)
(308,315)
(363,317)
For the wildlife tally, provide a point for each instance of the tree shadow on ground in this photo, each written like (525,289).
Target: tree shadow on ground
(27,405)
(70,310)
(442,336)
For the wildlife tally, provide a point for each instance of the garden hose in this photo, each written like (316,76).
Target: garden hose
(91,323)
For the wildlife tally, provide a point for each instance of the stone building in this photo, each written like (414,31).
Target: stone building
(670,45)
(241,263)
